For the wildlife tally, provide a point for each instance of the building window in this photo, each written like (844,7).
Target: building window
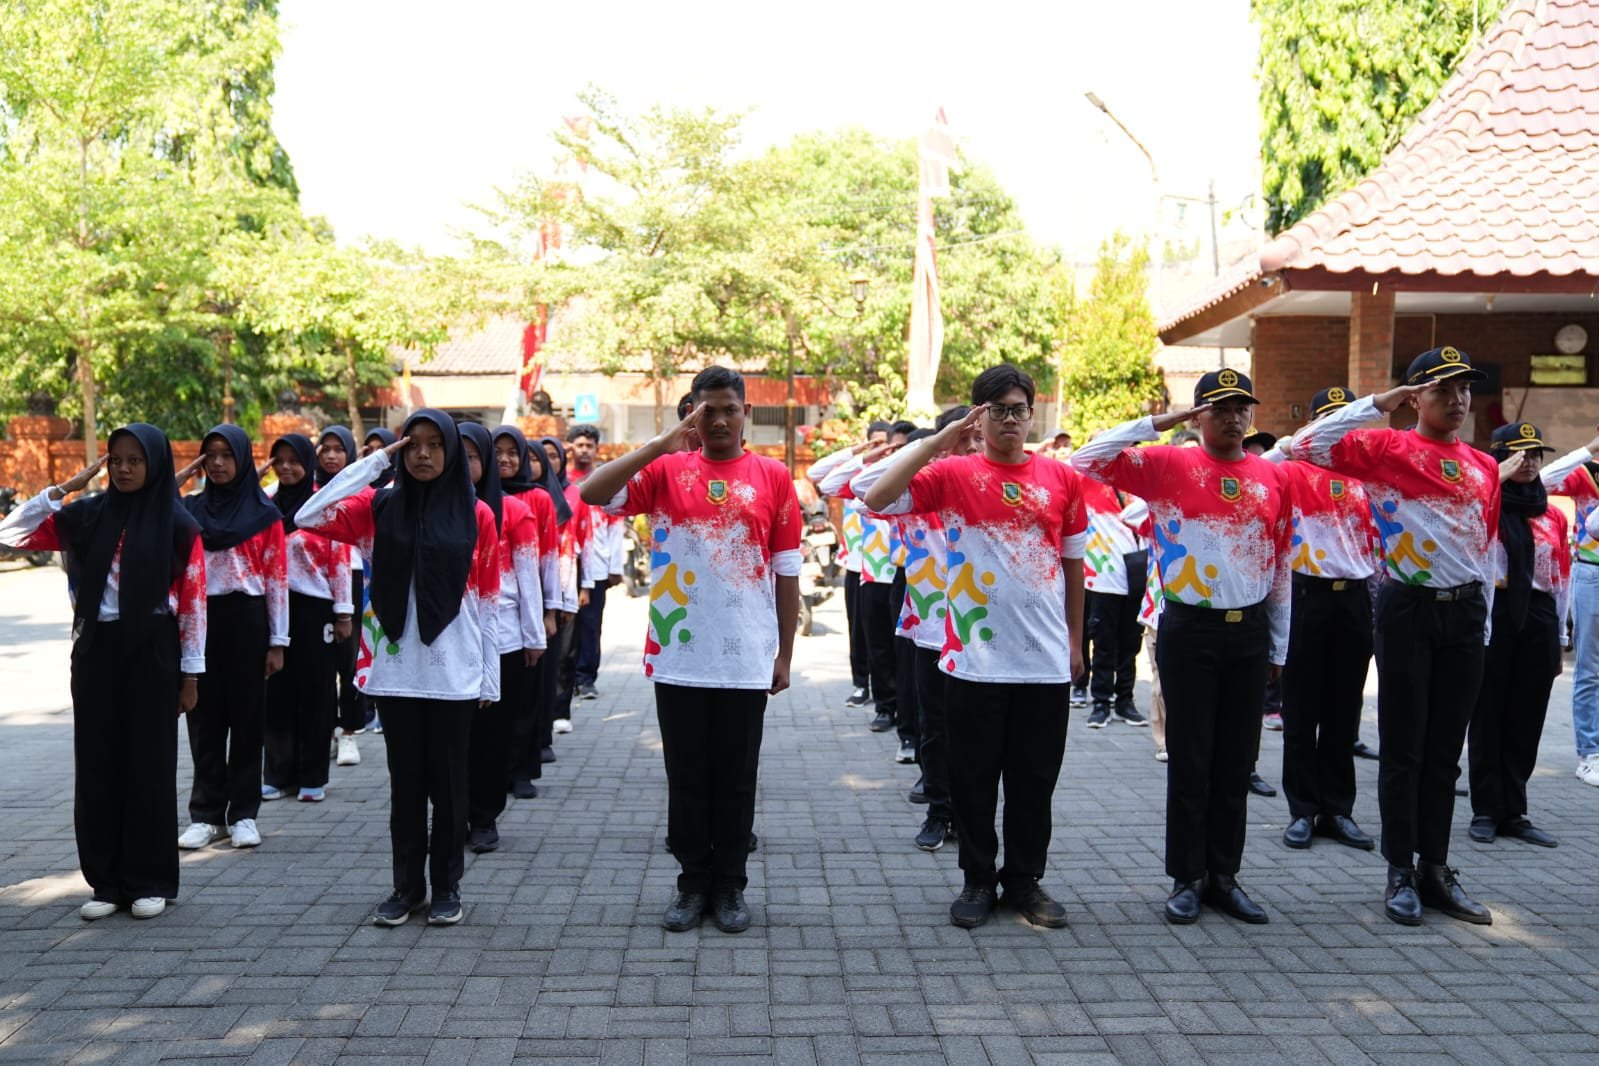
(1560,370)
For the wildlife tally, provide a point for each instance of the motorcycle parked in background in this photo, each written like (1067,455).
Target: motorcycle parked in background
(818,564)
(8,503)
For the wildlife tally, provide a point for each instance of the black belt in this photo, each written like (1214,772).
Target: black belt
(1309,583)
(1225,614)
(1448,595)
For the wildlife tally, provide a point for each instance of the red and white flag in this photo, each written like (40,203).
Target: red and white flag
(927,318)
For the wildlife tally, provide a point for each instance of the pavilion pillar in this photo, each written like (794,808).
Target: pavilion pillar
(1371,342)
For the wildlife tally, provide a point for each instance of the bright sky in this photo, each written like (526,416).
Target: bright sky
(398,112)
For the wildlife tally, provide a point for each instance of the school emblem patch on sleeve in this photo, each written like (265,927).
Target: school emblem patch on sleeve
(1336,487)
(716,492)
(1011,492)
(1451,469)
(1230,490)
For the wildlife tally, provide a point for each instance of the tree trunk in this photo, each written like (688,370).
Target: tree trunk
(224,343)
(91,440)
(352,401)
(85,341)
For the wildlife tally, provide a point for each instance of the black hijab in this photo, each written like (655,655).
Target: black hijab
(289,498)
(425,534)
(346,441)
(1519,503)
(155,530)
(387,437)
(560,455)
(231,514)
(488,486)
(526,479)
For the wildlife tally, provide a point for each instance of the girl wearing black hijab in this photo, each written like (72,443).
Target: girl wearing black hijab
(435,579)
(136,567)
(377,440)
(336,450)
(526,475)
(574,542)
(247,590)
(521,631)
(300,697)
(1532,589)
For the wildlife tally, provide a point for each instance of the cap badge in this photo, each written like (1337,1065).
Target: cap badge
(1227,379)
(1336,395)
(1230,490)
(1528,431)
(1449,355)
(1451,469)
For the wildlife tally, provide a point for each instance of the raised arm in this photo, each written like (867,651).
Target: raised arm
(896,477)
(330,510)
(609,479)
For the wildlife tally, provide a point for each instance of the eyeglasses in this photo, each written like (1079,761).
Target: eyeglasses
(999,412)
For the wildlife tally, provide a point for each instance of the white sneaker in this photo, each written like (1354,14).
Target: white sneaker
(271,792)
(1588,770)
(561,725)
(96,909)
(245,834)
(349,754)
(199,834)
(1160,755)
(148,907)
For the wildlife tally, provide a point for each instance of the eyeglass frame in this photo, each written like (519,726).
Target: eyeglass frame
(999,412)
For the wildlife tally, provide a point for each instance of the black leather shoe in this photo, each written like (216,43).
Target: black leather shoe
(1483,829)
(728,910)
(1459,791)
(1258,786)
(1401,903)
(918,792)
(523,789)
(1523,829)
(973,906)
(483,839)
(882,723)
(1344,830)
(1298,833)
(1363,752)
(1182,906)
(755,842)
(1033,903)
(1224,894)
(546,755)
(684,912)
(1438,889)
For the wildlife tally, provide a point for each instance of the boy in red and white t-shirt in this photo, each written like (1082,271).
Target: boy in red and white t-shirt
(1015,526)
(1220,523)
(724,601)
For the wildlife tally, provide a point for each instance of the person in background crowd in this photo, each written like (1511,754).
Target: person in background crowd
(1437,510)
(825,471)
(1576,475)
(602,567)
(574,543)
(247,630)
(724,596)
(136,572)
(435,582)
(1115,570)
(336,449)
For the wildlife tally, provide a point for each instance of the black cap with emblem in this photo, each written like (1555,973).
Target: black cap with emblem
(1519,437)
(1224,384)
(1328,399)
(1441,364)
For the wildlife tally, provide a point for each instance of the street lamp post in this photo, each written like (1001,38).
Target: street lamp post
(1157,253)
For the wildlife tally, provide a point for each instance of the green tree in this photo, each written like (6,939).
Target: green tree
(1107,370)
(1340,82)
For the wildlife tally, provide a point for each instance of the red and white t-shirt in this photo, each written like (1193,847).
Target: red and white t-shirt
(320,568)
(32,527)
(573,540)
(721,532)
(1109,540)
(1334,535)
(546,544)
(1221,528)
(1436,505)
(258,567)
(1569,476)
(520,602)
(463,662)
(607,546)
(1008,527)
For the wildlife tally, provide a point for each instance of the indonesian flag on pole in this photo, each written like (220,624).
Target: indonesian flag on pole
(927,318)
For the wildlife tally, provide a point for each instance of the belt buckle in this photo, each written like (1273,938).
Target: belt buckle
(1233,616)
(1447,595)
(1339,586)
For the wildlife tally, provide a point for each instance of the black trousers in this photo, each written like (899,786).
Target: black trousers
(1507,723)
(1429,666)
(528,725)
(489,768)
(879,615)
(125,761)
(225,725)
(557,664)
(300,699)
(590,619)
(859,673)
(1213,667)
(934,728)
(427,743)
(907,718)
(711,740)
(352,701)
(1113,628)
(1013,734)
(1324,684)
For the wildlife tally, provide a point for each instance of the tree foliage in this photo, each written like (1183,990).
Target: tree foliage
(1341,81)
(1107,371)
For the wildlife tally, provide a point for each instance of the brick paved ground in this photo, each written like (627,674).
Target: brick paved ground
(269,955)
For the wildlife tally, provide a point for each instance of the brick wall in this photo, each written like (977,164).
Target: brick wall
(1293,358)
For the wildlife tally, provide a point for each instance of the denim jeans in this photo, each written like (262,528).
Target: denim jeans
(1585,678)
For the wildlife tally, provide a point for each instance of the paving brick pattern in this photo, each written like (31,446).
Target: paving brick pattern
(269,955)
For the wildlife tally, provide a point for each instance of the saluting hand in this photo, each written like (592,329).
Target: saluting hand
(263,470)
(1173,419)
(394,449)
(1395,398)
(1512,466)
(948,438)
(878,451)
(182,476)
(685,436)
(80,481)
